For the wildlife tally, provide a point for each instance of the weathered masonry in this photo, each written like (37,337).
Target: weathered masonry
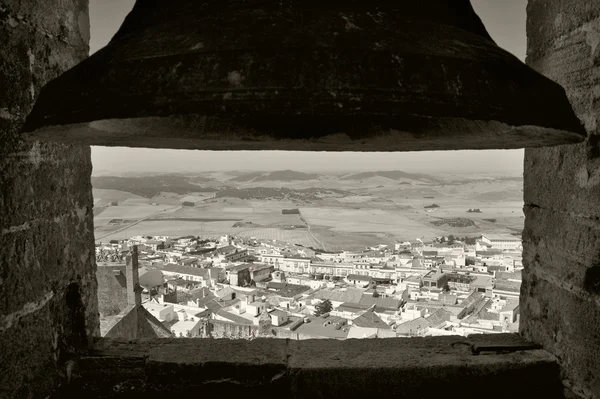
(48,308)
(560,294)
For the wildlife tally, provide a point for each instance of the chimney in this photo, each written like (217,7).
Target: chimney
(134,291)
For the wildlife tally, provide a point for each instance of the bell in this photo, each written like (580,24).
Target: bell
(315,75)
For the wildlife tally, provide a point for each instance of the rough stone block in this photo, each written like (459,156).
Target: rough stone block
(569,257)
(400,368)
(568,326)
(48,303)
(560,294)
(563,179)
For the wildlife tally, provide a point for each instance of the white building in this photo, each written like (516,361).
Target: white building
(501,241)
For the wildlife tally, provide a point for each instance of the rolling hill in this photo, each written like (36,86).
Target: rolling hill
(393,175)
(148,186)
(278,175)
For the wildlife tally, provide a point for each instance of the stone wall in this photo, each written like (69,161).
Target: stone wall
(47,267)
(560,294)
(432,367)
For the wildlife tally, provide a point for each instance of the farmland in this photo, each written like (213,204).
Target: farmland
(337,212)
(296,236)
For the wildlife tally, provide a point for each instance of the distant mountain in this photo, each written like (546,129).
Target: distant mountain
(278,175)
(246,177)
(148,186)
(393,175)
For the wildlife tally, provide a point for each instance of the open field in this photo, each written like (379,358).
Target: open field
(131,211)
(175,228)
(344,220)
(104,197)
(364,211)
(296,236)
(344,241)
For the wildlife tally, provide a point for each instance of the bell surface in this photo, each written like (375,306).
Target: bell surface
(304,75)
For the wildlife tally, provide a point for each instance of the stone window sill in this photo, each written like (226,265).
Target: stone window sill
(429,367)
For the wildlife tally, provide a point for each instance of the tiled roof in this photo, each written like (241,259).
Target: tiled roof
(316,328)
(471,299)
(193,271)
(448,299)
(257,267)
(505,285)
(233,317)
(352,307)
(438,317)
(201,296)
(385,303)
(509,276)
(510,306)
(358,277)
(350,295)
(370,319)
(183,283)
(287,290)
(238,268)
(412,326)
(278,313)
(225,250)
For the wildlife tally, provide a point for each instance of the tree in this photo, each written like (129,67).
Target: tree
(451,239)
(375,294)
(323,307)
(446,288)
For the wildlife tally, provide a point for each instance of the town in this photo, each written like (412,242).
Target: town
(237,287)
(234,287)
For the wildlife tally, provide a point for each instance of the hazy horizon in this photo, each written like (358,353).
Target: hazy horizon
(505,22)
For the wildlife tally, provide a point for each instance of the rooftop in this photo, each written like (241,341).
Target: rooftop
(239,268)
(179,282)
(370,319)
(510,306)
(501,237)
(349,295)
(233,317)
(358,277)
(384,303)
(278,313)
(317,328)
(193,271)
(412,326)
(287,290)
(438,317)
(505,285)
(472,299)
(509,276)
(352,307)
(433,275)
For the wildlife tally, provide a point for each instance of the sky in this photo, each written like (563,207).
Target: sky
(504,20)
